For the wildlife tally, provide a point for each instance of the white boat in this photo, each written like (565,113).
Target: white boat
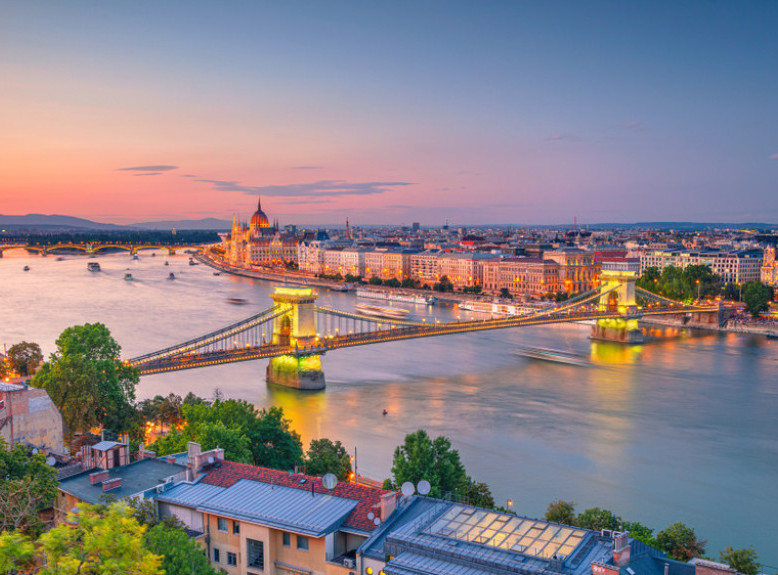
(93,266)
(381,311)
(499,308)
(237,301)
(398,297)
(554,355)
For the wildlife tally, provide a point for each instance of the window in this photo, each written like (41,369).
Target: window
(287,539)
(255,553)
(215,555)
(232,559)
(302,542)
(221,524)
(235,528)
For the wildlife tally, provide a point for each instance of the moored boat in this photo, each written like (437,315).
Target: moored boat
(26,268)
(128,277)
(237,301)
(398,297)
(93,266)
(171,276)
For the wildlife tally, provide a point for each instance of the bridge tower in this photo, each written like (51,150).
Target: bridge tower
(618,287)
(296,328)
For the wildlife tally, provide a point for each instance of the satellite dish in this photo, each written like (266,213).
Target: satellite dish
(407,489)
(371,516)
(50,461)
(424,487)
(376,521)
(329,481)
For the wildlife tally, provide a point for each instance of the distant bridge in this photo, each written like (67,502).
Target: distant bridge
(94,247)
(295,333)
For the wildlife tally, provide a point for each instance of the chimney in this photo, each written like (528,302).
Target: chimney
(388,504)
(667,569)
(112,483)
(193,451)
(621,548)
(97,477)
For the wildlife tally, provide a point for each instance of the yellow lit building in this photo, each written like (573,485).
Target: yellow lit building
(259,243)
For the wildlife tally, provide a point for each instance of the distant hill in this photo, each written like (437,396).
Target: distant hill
(203,224)
(52,222)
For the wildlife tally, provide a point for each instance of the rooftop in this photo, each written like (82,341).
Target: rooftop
(136,478)
(368,498)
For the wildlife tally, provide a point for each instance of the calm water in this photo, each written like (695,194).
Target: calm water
(682,430)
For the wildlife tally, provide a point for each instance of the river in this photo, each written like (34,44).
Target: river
(683,429)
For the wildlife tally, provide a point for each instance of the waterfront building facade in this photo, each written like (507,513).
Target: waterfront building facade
(258,243)
(769,271)
(463,269)
(522,277)
(736,267)
(578,271)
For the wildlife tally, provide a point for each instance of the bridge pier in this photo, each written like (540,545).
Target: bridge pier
(618,289)
(297,327)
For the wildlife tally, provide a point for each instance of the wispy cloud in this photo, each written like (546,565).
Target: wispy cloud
(188,176)
(149,174)
(322,188)
(773,157)
(560,137)
(306,167)
(160,168)
(633,125)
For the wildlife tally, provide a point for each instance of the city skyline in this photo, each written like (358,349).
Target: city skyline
(515,113)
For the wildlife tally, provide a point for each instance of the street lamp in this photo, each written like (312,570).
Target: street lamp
(698,289)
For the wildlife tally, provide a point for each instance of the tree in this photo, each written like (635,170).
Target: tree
(420,457)
(640,532)
(88,382)
(756,297)
(98,540)
(27,485)
(597,519)
(392,282)
(25,357)
(375,281)
(561,511)
(744,561)
(680,542)
(180,554)
(16,553)
(505,293)
(444,285)
(324,456)
(477,493)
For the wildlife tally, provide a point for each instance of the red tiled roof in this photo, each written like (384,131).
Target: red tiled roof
(369,497)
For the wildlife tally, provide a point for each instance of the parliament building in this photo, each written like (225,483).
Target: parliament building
(258,243)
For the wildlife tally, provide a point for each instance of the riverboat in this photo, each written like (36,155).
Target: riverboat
(128,277)
(26,268)
(398,297)
(498,308)
(167,263)
(93,266)
(381,311)
(772,335)
(171,276)
(554,356)
(237,301)
(192,262)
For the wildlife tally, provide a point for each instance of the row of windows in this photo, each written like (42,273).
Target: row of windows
(302,542)
(223,526)
(232,558)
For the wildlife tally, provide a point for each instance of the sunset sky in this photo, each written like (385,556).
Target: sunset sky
(508,112)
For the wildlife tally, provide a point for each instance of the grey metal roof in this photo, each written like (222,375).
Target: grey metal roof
(190,495)
(105,445)
(408,563)
(136,477)
(285,508)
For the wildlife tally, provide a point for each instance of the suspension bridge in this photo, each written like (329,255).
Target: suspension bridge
(294,333)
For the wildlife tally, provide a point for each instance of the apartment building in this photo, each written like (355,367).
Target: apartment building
(739,267)
(578,271)
(463,269)
(769,271)
(522,277)
(424,267)
(257,520)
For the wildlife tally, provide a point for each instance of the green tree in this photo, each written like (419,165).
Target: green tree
(757,297)
(640,532)
(27,485)
(444,285)
(680,542)
(180,554)
(98,540)
(477,493)
(25,357)
(17,553)
(744,561)
(597,518)
(235,444)
(561,511)
(88,382)
(375,281)
(505,293)
(392,282)
(324,456)
(420,457)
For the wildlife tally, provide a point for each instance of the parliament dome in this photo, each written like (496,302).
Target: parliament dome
(259,219)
